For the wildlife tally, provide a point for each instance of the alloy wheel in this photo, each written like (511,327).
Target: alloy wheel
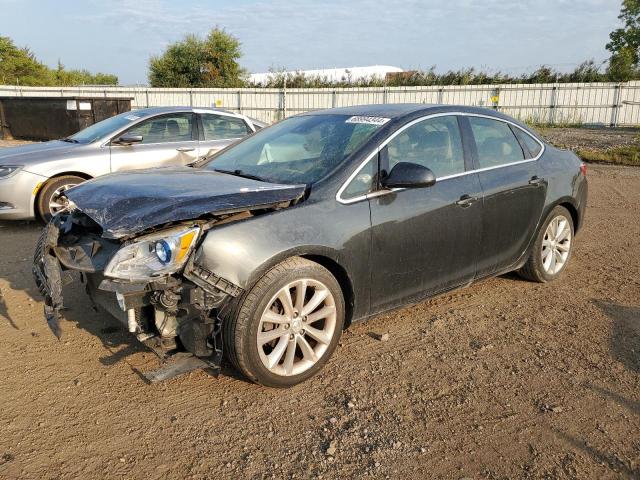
(556,245)
(297,327)
(58,201)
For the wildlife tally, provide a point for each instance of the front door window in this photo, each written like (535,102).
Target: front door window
(434,143)
(176,127)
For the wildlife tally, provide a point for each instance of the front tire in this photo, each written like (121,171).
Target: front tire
(50,200)
(285,329)
(552,248)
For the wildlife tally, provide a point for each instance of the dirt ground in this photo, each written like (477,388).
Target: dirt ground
(12,143)
(505,379)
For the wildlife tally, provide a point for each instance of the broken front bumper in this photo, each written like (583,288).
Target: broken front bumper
(48,276)
(169,314)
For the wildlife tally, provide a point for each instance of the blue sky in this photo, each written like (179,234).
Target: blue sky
(508,35)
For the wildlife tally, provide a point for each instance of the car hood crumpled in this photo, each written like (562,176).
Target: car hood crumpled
(127,203)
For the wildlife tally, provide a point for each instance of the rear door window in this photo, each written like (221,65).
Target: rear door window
(222,127)
(496,143)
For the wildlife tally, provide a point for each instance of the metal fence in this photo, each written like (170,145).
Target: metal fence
(608,104)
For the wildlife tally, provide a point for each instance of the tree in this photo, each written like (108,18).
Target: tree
(194,62)
(587,71)
(624,43)
(20,66)
(67,78)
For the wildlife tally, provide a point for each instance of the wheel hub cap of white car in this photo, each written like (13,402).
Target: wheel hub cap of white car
(58,201)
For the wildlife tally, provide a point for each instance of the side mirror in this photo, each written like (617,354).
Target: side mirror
(128,139)
(409,175)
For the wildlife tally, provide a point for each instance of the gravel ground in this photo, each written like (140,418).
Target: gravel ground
(591,138)
(505,379)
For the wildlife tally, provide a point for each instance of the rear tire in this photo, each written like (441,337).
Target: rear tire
(49,201)
(278,345)
(552,248)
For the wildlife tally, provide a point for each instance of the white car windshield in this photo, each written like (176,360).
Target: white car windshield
(300,149)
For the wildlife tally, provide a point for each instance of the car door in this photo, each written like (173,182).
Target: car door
(513,195)
(425,240)
(169,139)
(219,131)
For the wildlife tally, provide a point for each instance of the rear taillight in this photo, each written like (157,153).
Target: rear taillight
(583,169)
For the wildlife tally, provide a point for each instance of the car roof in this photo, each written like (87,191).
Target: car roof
(146,112)
(156,110)
(400,110)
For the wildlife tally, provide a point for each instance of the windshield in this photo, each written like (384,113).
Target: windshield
(297,150)
(105,127)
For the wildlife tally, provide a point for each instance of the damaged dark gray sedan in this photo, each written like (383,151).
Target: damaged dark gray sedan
(273,246)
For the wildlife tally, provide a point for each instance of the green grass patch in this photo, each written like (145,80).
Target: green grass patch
(627,155)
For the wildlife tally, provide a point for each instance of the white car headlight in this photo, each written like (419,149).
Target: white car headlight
(153,255)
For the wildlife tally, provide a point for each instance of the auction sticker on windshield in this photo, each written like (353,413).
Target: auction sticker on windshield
(368,120)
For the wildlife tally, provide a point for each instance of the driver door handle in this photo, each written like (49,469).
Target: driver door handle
(535,180)
(466,201)
(185,149)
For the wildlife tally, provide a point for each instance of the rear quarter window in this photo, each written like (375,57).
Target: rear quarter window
(532,145)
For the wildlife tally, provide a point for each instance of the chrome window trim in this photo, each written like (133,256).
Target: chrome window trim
(224,139)
(157,143)
(344,186)
(213,111)
(347,201)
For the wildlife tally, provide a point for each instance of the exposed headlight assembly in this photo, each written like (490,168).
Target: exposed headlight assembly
(153,255)
(7,171)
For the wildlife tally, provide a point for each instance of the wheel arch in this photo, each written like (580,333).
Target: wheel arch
(36,198)
(323,256)
(566,202)
(570,204)
(84,175)
(341,275)
(575,216)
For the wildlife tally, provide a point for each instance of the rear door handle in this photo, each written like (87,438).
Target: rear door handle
(185,149)
(535,180)
(466,200)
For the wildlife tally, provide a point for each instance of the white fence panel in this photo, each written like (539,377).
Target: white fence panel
(575,103)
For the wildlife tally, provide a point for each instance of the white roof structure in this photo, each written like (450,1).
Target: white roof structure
(332,74)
